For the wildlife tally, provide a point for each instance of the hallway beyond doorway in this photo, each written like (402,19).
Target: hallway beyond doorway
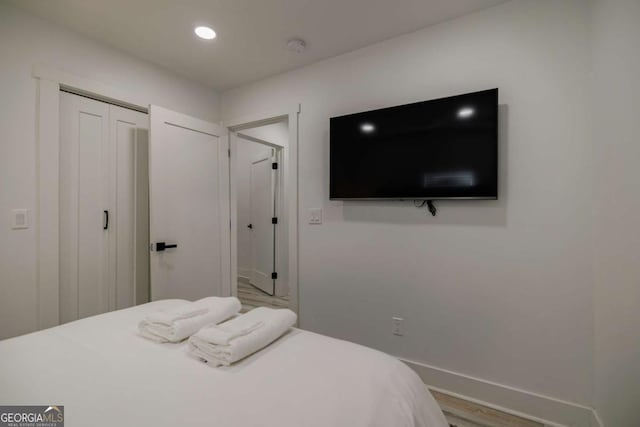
(251,297)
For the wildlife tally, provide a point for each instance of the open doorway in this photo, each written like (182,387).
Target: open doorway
(261,249)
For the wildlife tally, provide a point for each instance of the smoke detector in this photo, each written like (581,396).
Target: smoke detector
(296,45)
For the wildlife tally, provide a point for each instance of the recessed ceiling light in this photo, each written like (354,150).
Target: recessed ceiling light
(205,33)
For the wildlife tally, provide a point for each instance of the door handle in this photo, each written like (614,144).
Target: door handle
(105,225)
(161,246)
(250,226)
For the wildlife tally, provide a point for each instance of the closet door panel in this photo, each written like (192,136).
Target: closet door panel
(92,242)
(84,178)
(143,282)
(130,177)
(68,214)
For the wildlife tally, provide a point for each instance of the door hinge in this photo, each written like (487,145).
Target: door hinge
(274,275)
(274,165)
(274,220)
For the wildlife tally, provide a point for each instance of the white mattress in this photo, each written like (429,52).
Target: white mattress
(105,375)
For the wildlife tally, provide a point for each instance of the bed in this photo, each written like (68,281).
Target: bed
(105,375)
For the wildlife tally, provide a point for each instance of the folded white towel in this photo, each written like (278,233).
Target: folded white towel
(237,338)
(177,324)
(184,311)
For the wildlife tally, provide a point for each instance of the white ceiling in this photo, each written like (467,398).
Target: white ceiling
(252,34)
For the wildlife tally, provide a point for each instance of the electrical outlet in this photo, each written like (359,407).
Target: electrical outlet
(396,326)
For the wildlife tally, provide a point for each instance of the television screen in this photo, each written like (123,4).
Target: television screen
(441,149)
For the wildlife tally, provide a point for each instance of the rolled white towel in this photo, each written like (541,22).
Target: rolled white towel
(237,338)
(179,323)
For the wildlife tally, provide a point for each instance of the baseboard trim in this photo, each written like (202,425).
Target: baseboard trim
(536,407)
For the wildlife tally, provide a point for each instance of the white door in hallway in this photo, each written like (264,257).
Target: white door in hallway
(189,207)
(262,205)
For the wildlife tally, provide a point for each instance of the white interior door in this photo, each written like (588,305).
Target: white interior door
(189,207)
(262,205)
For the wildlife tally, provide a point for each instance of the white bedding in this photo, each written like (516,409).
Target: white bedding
(105,375)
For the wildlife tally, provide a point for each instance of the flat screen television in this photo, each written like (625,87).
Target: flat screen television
(440,149)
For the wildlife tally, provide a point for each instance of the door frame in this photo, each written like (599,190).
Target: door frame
(49,83)
(288,217)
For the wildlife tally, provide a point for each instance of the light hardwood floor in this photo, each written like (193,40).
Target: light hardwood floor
(462,413)
(252,297)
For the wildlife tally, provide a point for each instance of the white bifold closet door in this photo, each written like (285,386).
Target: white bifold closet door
(103,207)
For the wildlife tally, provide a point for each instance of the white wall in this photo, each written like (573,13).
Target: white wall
(25,41)
(499,290)
(247,152)
(616,54)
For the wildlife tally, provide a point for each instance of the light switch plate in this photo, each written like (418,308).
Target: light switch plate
(19,219)
(397,326)
(315,216)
